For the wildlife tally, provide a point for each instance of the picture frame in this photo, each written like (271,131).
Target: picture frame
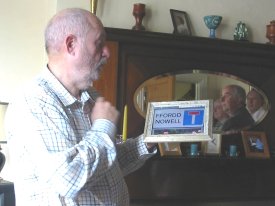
(213,147)
(179,121)
(181,22)
(255,144)
(169,149)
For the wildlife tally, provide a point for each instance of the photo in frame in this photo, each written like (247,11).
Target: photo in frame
(178,121)
(213,147)
(169,149)
(255,144)
(181,22)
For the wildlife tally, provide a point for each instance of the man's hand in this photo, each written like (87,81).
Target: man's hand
(104,110)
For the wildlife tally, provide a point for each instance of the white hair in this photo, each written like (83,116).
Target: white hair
(71,21)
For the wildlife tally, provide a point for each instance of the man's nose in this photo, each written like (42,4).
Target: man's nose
(105,52)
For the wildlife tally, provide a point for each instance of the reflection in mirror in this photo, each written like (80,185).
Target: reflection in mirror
(200,85)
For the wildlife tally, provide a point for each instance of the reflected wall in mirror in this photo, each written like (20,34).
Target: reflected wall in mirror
(197,85)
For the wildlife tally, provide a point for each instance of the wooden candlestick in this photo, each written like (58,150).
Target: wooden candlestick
(139,13)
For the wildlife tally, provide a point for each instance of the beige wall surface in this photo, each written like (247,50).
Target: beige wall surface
(21,38)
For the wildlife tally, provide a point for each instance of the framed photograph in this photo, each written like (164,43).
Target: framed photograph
(213,147)
(255,144)
(169,149)
(181,22)
(179,121)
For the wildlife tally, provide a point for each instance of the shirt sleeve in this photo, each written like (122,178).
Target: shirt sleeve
(133,154)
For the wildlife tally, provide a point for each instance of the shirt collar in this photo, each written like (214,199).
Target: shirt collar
(63,94)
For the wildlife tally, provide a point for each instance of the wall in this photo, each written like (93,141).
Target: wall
(22,49)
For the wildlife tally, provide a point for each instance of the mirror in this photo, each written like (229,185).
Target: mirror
(201,85)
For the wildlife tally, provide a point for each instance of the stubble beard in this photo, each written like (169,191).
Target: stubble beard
(94,70)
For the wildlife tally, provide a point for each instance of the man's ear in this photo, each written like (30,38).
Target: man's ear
(71,44)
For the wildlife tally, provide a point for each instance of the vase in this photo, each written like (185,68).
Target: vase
(93,6)
(241,32)
(270,32)
(212,22)
(138,13)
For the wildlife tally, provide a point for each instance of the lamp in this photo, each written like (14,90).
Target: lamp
(3,109)
(2,159)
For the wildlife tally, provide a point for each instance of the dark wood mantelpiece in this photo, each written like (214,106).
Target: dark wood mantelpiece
(142,55)
(208,179)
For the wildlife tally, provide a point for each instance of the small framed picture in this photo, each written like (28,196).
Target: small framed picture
(213,147)
(179,121)
(169,149)
(255,144)
(181,22)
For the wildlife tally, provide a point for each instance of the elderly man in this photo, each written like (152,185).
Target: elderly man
(61,139)
(233,102)
(255,105)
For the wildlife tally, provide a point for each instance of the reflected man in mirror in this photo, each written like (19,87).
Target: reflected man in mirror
(233,102)
(255,105)
(219,116)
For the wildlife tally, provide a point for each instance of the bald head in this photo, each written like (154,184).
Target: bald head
(75,42)
(73,21)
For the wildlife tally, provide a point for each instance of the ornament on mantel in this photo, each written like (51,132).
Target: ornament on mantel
(241,32)
(212,22)
(138,13)
(270,32)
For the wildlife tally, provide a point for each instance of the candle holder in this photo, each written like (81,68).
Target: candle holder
(138,13)
(93,6)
